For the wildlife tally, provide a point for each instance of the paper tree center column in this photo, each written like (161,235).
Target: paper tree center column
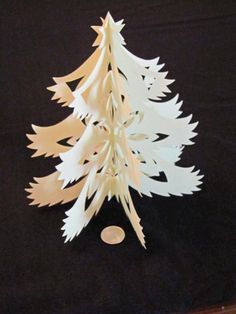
(120,134)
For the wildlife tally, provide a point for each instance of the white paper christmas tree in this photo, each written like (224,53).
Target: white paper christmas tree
(120,134)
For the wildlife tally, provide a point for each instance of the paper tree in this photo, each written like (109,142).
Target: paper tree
(119,135)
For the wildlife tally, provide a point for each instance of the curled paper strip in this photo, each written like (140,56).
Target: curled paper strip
(120,134)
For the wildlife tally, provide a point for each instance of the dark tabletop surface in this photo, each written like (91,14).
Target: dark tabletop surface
(190,260)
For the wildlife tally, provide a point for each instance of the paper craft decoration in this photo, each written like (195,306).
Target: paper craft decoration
(120,134)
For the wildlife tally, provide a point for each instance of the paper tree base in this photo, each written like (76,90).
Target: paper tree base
(112,235)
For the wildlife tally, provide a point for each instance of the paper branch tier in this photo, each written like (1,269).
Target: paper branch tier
(120,134)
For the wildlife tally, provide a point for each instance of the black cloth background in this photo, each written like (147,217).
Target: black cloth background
(190,258)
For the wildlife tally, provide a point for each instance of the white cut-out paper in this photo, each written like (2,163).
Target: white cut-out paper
(120,134)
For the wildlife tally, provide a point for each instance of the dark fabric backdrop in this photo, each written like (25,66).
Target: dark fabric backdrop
(190,258)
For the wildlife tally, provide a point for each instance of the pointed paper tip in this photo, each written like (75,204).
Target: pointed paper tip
(36,154)
(33,203)
(120,22)
(171,81)
(36,179)
(41,205)
(50,88)
(29,136)
(56,79)
(34,127)
(108,19)
(66,239)
(108,15)
(95,28)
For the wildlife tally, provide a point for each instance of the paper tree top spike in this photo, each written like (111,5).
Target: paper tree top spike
(120,134)
(109,30)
